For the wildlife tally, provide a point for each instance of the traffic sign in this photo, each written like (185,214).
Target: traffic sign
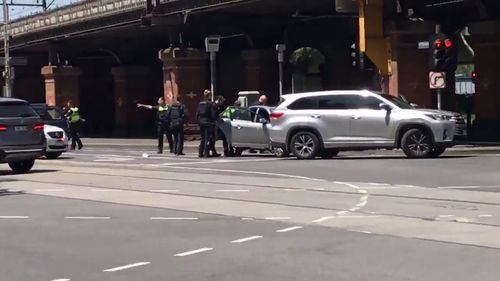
(20,61)
(437,80)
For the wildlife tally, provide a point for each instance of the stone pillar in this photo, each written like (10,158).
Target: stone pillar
(61,84)
(131,84)
(184,74)
(261,72)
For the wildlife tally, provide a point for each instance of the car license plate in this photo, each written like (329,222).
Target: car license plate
(21,128)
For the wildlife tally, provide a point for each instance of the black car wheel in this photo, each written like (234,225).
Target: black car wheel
(22,166)
(416,144)
(305,145)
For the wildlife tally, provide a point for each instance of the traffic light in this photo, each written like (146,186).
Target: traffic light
(444,54)
(474,77)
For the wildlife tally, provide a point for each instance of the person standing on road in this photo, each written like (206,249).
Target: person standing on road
(75,121)
(229,113)
(218,108)
(206,117)
(177,116)
(161,122)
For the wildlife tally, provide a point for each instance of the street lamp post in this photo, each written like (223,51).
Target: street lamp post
(212,46)
(281,58)
(7,73)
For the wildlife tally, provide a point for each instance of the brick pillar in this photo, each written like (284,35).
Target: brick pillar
(62,83)
(130,85)
(487,98)
(185,74)
(261,72)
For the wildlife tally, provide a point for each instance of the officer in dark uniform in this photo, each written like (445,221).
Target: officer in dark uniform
(177,116)
(218,108)
(206,118)
(75,121)
(161,121)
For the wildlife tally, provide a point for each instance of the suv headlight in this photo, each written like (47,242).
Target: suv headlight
(441,117)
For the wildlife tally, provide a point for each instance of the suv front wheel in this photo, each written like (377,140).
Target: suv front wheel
(22,166)
(304,145)
(416,144)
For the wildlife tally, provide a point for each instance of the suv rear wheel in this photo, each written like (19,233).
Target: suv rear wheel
(22,166)
(416,143)
(304,145)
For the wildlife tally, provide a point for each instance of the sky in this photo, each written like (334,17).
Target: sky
(17,11)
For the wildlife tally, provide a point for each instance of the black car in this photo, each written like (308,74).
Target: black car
(22,139)
(52,115)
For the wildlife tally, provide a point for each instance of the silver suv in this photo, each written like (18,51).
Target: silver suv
(324,123)
(22,139)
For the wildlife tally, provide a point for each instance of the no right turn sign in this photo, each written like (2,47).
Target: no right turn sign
(437,80)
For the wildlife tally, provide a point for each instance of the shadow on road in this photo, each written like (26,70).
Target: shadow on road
(10,173)
(6,192)
(399,157)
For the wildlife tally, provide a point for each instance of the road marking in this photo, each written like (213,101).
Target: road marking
(232,190)
(193,252)
(361,204)
(293,189)
(485,216)
(113,159)
(446,216)
(164,190)
(323,219)
(378,184)
(105,190)
(247,219)
(14,217)
(364,231)
(357,217)
(354,209)
(342,212)
(126,267)
(458,187)
(87,218)
(242,240)
(289,229)
(319,188)
(277,218)
(364,198)
(49,190)
(64,279)
(173,218)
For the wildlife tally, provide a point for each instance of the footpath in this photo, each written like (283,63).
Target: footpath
(472,147)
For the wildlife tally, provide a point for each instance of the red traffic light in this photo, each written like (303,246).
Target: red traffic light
(438,44)
(448,43)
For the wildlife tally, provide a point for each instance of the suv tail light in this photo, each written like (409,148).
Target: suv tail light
(3,128)
(38,127)
(277,115)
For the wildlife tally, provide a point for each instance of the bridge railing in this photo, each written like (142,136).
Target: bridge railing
(74,14)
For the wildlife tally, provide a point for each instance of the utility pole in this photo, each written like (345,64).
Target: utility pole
(7,73)
(7,92)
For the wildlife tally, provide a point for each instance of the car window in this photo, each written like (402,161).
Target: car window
(54,114)
(13,110)
(339,102)
(263,113)
(366,102)
(243,114)
(44,114)
(304,104)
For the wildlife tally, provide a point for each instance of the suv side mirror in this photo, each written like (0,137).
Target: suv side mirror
(385,106)
(263,120)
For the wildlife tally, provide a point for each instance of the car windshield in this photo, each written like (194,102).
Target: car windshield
(15,110)
(397,101)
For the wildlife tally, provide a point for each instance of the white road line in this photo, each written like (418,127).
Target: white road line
(342,212)
(242,240)
(458,187)
(87,218)
(277,218)
(126,267)
(446,216)
(61,279)
(365,232)
(247,219)
(364,198)
(357,217)
(319,188)
(105,190)
(232,190)
(362,191)
(323,219)
(378,184)
(193,252)
(293,189)
(14,217)
(361,204)
(289,229)
(174,218)
(49,190)
(485,216)
(354,209)
(164,190)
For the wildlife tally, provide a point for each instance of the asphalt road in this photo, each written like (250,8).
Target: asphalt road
(112,214)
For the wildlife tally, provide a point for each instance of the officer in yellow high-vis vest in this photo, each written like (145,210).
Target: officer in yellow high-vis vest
(162,123)
(75,121)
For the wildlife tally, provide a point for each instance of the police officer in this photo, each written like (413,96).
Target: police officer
(206,118)
(161,122)
(75,121)
(218,105)
(177,116)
